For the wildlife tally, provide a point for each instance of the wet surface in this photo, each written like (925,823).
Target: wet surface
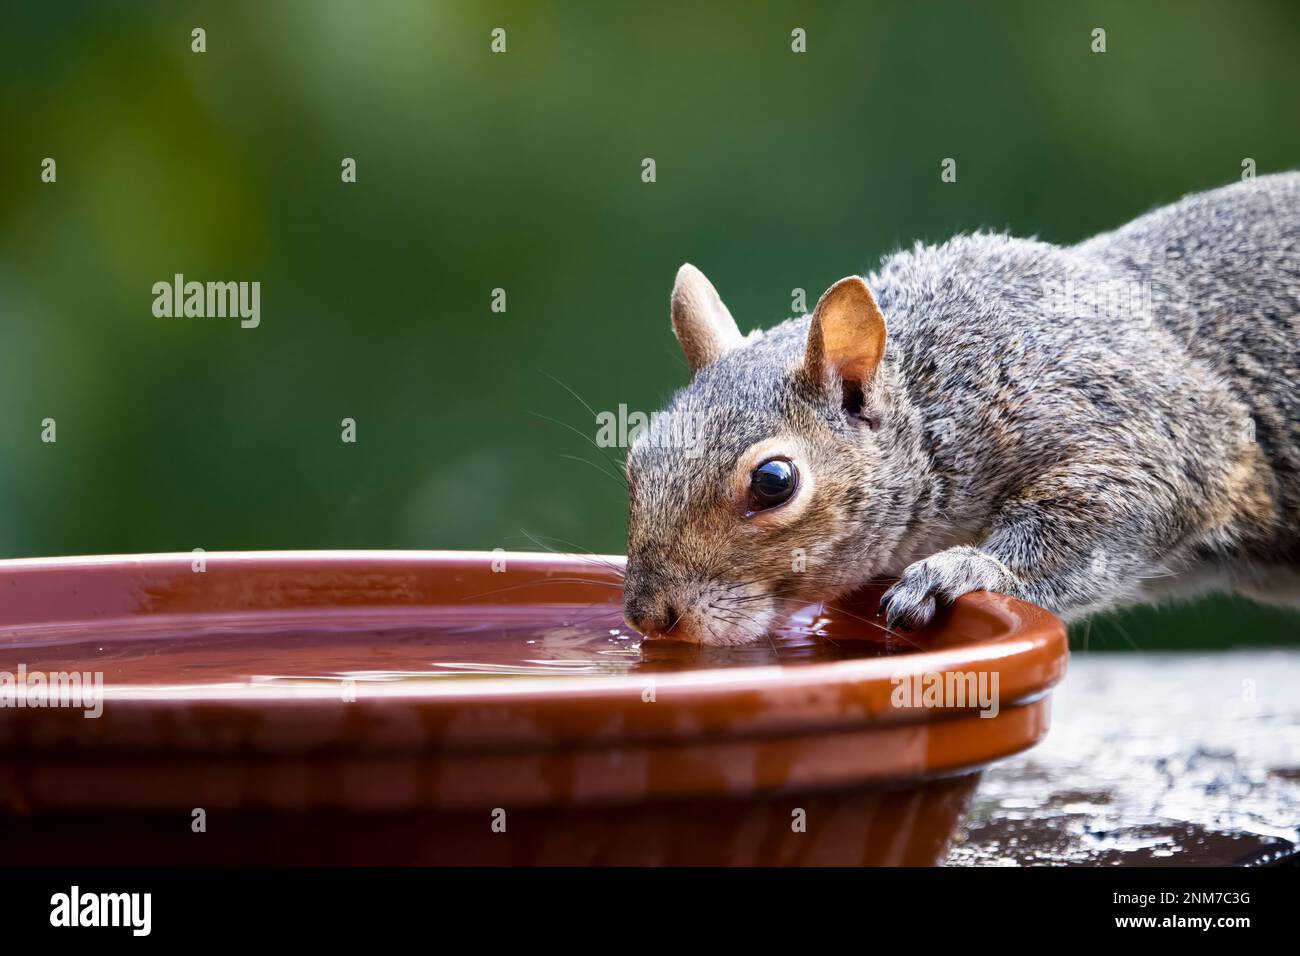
(1152,759)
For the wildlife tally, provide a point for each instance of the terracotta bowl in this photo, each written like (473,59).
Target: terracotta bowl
(482,708)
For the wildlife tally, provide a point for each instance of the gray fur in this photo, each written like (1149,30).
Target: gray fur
(1081,427)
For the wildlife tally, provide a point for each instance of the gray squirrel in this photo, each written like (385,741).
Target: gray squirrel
(1082,427)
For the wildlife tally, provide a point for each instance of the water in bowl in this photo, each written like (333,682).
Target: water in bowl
(431,643)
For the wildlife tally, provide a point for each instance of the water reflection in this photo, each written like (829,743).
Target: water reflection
(438,643)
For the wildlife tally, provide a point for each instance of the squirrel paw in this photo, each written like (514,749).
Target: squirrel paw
(942,578)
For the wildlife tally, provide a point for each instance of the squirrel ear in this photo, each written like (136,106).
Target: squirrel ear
(847,335)
(701,322)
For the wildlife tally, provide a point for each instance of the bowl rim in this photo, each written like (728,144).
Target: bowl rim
(480,732)
(1028,628)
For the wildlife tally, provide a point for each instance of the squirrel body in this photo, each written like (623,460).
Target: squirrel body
(1085,426)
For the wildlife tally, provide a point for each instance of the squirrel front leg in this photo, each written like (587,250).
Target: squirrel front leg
(940,579)
(1069,542)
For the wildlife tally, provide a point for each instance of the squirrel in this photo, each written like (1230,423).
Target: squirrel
(1081,427)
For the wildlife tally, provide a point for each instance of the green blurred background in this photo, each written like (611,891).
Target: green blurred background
(522,171)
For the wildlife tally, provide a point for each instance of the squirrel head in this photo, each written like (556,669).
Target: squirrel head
(771,480)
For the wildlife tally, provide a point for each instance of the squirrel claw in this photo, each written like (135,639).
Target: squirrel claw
(906,610)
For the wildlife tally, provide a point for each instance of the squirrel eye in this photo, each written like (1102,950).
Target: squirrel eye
(771,484)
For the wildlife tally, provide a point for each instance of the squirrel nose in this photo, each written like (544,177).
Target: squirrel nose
(650,618)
